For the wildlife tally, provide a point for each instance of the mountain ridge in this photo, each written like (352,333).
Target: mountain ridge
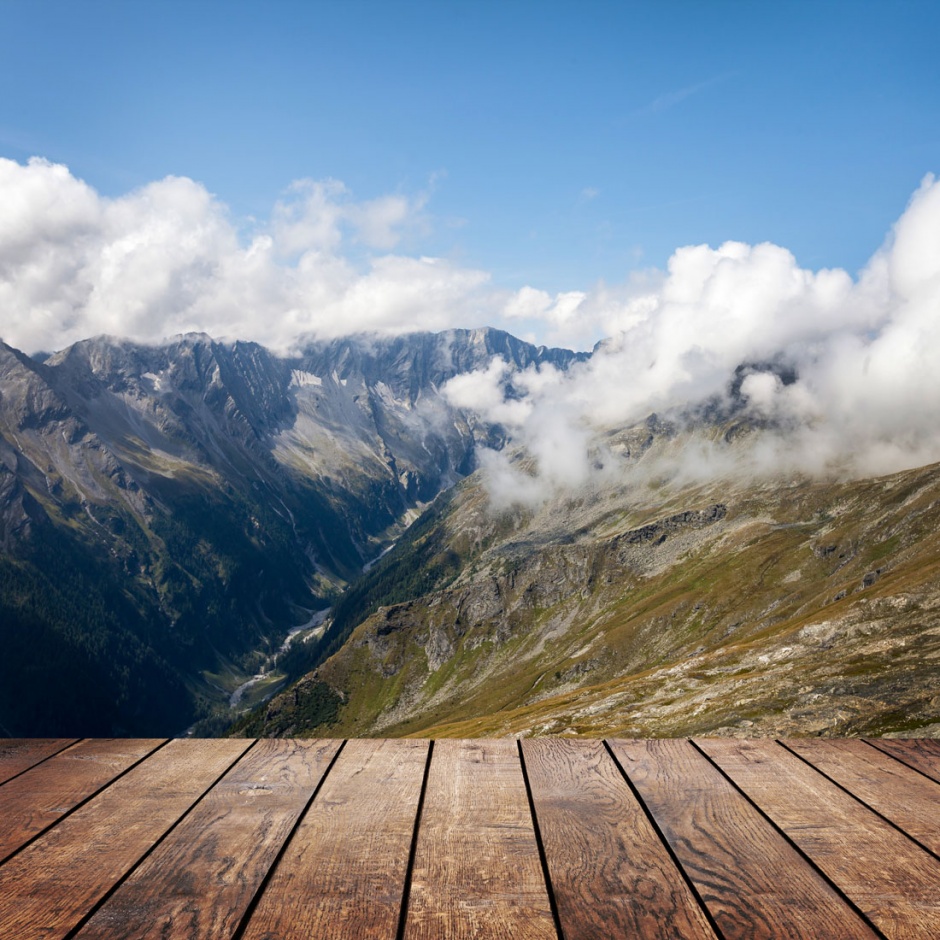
(221,491)
(170,513)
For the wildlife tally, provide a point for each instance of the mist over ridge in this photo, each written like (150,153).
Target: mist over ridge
(839,374)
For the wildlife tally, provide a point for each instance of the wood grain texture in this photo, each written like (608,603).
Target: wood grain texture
(47,888)
(907,798)
(610,872)
(893,882)
(343,873)
(40,797)
(753,882)
(189,842)
(477,872)
(199,882)
(921,754)
(19,754)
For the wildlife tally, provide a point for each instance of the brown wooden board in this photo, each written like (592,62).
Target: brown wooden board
(907,798)
(610,872)
(477,871)
(40,797)
(199,881)
(48,887)
(343,873)
(19,754)
(922,754)
(894,882)
(754,883)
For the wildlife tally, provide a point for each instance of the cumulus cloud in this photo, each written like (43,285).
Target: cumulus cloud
(577,319)
(167,258)
(862,392)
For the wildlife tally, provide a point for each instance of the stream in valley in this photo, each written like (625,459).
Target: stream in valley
(312,628)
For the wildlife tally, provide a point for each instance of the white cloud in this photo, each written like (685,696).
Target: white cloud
(309,218)
(527,304)
(484,392)
(167,258)
(866,397)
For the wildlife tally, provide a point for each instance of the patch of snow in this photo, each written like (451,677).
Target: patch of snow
(301,379)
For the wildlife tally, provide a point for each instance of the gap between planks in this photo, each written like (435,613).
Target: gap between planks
(539,838)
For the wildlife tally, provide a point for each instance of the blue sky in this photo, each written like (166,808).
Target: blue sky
(548,144)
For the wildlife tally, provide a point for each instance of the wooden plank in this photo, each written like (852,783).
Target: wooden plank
(922,754)
(893,882)
(900,794)
(48,887)
(19,754)
(40,797)
(610,872)
(477,872)
(202,877)
(754,883)
(343,874)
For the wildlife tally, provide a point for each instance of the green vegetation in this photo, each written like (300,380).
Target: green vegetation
(420,563)
(81,654)
(312,705)
(108,634)
(765,622)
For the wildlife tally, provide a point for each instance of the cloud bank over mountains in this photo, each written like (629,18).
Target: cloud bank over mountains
(168,258)
(861,357)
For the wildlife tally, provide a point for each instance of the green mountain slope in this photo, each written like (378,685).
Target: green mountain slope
(735,606)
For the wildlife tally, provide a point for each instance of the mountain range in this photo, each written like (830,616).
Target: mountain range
(171,515)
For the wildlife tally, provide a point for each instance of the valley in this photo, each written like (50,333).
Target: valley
(199,532)
(168,512)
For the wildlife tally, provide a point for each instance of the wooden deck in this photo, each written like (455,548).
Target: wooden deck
(457,839)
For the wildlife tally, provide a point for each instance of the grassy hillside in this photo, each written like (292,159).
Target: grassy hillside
(729,607)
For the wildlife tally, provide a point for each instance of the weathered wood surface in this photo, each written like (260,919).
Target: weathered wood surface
(35,800)
(921,755)
(477,871)
(611,873)
(550,838)
(199,881)
(343,874)
(18,754)
(888,786)
(750,877)
(894,882)
(48,888)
